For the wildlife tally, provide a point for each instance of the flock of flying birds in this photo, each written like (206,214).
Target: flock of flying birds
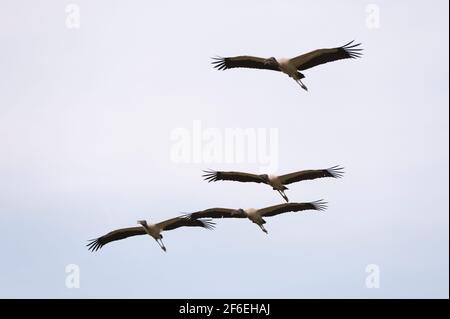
(292,68)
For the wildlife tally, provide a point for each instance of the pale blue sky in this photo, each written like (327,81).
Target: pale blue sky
(85,123)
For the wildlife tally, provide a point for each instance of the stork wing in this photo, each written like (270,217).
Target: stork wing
(185,221)
(218,213)
(319,205)
(244,61)
(213,176)
(335,171)
(321,56)
(96,244)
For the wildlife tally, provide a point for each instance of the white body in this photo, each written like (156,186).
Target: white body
(254,216)
(287,67)
(152,230)
(274,181)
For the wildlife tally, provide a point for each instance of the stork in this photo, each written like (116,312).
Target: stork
(291,67)
(276,182)
(153,230)
(256,215)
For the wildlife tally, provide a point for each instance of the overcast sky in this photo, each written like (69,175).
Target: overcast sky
(88,114)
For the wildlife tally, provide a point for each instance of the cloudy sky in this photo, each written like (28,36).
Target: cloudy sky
(89,117)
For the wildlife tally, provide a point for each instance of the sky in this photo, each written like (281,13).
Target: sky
(96,97)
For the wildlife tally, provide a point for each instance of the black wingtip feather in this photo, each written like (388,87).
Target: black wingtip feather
(336,171)
(205,223)
(208,224)
(347,44)
(353,51)
(320,205)
(210,176)
(94,245)
(219,63)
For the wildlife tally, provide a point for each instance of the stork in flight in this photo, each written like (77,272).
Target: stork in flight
(256,215)
(154,230)
(291,67)
(276,182)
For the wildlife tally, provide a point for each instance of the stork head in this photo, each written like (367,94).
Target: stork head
(142,223)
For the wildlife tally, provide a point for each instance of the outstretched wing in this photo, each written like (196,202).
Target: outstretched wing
(244,61)
(96,244)
(214,176)
(321,56)
(185,221)
(319,205)
(335,171)
(218,213)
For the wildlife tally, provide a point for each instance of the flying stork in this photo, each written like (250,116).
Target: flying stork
(276,182)
(154,230)
(256,215)
(291,67)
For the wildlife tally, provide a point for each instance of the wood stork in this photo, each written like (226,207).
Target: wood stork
(154,230)
(276,182)
(256,215)
(291,67)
